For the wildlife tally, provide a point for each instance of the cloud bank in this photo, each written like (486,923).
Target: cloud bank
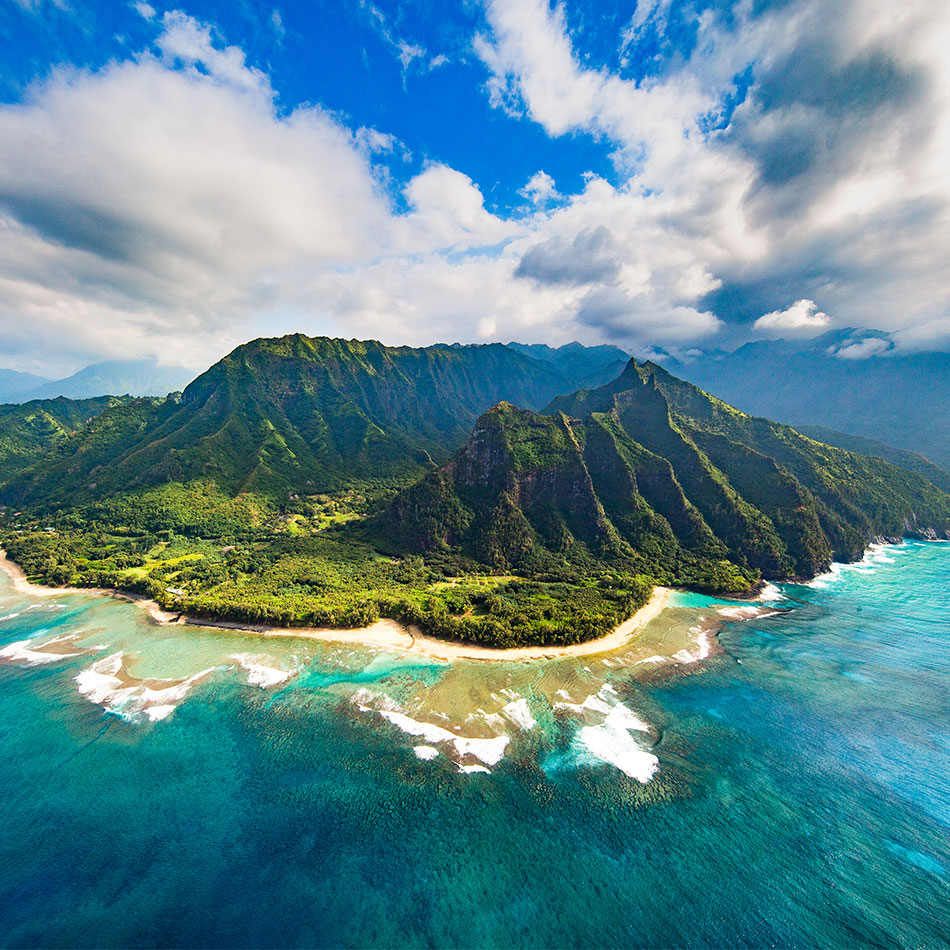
(784,172)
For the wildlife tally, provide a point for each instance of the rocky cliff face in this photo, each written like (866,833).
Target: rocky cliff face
(644,475)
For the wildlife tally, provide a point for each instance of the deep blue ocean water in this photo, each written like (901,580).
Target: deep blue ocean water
(802,796)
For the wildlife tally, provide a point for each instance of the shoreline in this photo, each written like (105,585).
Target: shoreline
(393,635)
(22,585)
(385,633)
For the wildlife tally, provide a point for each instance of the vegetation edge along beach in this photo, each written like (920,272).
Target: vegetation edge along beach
(386,633)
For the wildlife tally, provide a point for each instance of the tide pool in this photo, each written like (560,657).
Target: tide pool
(185,786)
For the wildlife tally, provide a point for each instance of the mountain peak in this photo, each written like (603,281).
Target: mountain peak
(297,413)
(649,474)
(631,372)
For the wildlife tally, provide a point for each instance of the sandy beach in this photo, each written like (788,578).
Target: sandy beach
(386,634)
(393,635)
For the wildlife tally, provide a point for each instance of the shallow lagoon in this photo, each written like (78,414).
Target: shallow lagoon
(800,791)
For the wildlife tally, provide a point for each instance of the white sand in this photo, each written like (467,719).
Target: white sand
(392,635)
(22,586)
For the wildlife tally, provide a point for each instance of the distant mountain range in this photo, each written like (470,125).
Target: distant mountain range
(143,377)
(852,381)
(14,384)
(589,365)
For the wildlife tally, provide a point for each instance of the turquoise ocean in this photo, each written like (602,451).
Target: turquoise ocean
(179,786)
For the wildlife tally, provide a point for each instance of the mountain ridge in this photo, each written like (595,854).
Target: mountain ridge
(912,461)
(747,497)
(297,413)
(32,429)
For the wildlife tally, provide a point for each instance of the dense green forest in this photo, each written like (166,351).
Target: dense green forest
(313,482)
(912,461)
(197,550)
(28,431)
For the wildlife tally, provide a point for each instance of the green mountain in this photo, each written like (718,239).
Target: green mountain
(30,430)
(912,461)
(648,474)
(859,497)
(291,415)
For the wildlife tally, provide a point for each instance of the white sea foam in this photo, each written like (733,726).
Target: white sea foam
(740,613)
(593,703)
(23,652)
(10,616)
(704,642)
(770,593)
(621,750)
(879,553)
(427,730)
(425,752)
(703,646)
(823,581)
(623,718)
(490,751)
(611,742)
(103,685)
(876,555)
(518,712)
(750,612)
(468,769)
(258,672)
(368,701)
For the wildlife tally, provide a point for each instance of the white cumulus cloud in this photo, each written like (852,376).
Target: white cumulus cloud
(802,318)
(864,349)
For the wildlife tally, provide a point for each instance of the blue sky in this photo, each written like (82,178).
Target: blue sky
(406,68)
(176,178)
